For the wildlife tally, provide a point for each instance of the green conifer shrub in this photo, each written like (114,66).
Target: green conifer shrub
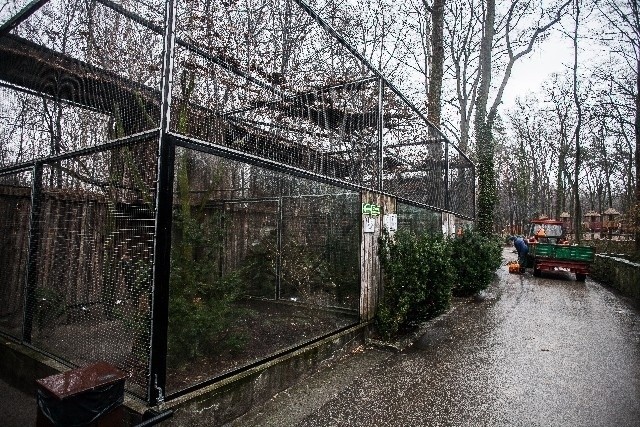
(418,277)
(476,258)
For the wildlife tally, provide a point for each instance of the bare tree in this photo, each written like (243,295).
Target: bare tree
(577,131)
(516,46)
(623,17)
(412,49)
(616,112)
(463,30)
(558,95)
(528,161)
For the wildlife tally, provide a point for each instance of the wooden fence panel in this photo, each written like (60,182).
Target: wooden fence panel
(15,205)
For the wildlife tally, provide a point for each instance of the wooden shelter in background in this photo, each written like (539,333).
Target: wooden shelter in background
(592,221)
(611,221)
(565,217)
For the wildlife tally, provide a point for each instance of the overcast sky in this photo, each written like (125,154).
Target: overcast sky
(554,55)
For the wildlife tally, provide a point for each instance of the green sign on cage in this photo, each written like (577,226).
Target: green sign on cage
(370,209)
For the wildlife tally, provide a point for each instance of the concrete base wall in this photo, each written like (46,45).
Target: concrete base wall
(618,273)
(213,405)
(228,399)
(606,246)
(21,366)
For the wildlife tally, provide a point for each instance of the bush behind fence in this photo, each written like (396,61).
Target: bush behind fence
(422,272)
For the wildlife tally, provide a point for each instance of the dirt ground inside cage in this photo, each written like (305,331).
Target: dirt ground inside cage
(266,326)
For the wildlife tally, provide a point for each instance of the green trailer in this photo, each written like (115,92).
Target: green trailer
(547,253)
(555,257)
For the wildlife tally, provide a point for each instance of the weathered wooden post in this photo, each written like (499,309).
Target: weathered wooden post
(374,207)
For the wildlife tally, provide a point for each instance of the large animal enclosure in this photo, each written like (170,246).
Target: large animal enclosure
(182,183)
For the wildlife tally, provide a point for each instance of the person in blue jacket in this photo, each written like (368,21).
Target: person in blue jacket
(523,249)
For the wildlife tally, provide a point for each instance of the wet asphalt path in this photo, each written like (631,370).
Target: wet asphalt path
(544,351)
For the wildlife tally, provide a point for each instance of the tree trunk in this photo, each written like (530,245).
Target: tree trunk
(437,63)
(576,193)
(483,127)
(559,186)
(487,198)
(637,132)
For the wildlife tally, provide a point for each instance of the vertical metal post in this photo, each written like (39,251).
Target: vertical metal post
(380,130)
(446,176)
(473,193)
(162,241)
(32,257)
(279,253)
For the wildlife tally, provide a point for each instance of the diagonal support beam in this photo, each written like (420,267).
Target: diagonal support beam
(19,17)
(189,46)
(348,86)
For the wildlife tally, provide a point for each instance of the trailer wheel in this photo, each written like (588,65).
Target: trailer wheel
(581,277)
(536,271)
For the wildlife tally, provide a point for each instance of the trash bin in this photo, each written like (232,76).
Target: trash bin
(89,396)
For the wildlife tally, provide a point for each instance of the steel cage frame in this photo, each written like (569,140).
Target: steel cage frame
(167,141)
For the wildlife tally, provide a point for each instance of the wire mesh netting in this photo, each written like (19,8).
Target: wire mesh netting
(88,297)
(32,127)
(418,220)
(320,248)
(289,93)
(74,74)
(461,184)
(9,9)
(262,77)
(293,94)
(261,262)
(414,156)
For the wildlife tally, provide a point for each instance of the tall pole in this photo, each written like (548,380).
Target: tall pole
(32,257)
(447,205)
(162,241)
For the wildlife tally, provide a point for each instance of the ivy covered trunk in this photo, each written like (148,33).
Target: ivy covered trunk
(487,195)
(483,123)
(637,158)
